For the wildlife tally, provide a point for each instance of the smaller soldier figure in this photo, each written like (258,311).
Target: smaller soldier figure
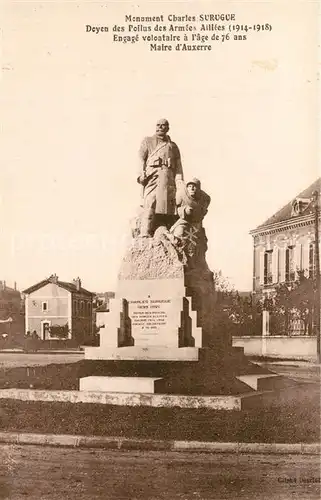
(188,232)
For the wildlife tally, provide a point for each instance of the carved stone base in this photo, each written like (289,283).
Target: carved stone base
(162,299)
(208,373)
(161,324)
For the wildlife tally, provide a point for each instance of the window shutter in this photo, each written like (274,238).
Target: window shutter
(282,251)
(305,257)
(262,253)
(275,265)
(298,257)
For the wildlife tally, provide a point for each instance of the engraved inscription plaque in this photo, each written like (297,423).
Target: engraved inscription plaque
(154,321)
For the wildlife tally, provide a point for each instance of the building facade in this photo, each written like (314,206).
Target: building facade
(11,310)
(283,248)
(285,244)
(58,310)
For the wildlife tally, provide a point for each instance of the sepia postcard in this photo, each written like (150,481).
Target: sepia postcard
(160,249)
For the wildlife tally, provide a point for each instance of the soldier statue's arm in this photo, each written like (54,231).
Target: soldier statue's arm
(181,195)
(143,155)
(182,202)
(179,177)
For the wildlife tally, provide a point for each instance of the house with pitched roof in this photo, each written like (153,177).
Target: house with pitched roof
(58,310)
(285,244)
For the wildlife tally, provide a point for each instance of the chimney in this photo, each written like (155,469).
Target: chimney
(4,285)
(77,283)
(15,286)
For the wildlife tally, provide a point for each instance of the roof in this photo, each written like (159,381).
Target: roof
(10,292)
(285,213)
(71,287)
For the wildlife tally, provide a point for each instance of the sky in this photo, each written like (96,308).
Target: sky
(75,107)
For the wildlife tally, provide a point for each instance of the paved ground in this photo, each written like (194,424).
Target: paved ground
(299,371)
(40,473)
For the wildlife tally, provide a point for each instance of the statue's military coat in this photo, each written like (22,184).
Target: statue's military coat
(160,169)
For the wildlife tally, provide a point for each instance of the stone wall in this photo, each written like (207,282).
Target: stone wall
(298,347)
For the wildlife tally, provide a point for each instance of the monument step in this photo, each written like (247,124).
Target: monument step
(140,385)
(153,353)
(158,377)
(128,399)
(160,353)
(211,374)
(262,382)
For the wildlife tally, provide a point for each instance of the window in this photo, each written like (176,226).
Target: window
(45,306)
(289,264)
(311,260)
(268,267)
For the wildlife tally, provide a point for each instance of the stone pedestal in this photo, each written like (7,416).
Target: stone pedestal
(160,334)
(153,313)
(160,303)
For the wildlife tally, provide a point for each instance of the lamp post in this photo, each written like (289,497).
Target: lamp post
(317,304)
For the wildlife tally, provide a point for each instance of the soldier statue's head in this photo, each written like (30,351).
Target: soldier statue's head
(162,127)
(193,187)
